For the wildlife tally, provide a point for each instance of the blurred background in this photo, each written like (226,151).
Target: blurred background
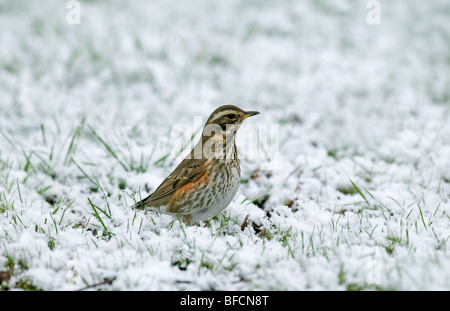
(141,62)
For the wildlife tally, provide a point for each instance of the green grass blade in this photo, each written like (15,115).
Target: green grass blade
(109,149)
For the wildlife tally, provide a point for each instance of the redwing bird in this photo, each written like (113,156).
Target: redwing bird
(206,181)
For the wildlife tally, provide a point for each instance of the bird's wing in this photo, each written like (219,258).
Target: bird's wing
(188,170)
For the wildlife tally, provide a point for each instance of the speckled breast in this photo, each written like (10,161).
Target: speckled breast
(217,195)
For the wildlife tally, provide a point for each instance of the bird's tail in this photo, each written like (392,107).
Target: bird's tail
(138,205)
(144,204)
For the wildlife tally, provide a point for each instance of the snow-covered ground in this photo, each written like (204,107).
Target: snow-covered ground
(359,197)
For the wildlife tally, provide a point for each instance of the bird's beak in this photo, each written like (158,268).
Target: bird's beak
(250,114)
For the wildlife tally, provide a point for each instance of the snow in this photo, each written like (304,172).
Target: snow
(359,193)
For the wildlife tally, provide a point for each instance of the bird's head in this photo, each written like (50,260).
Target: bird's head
(228,118)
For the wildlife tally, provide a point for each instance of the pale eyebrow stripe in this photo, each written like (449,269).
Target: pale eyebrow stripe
(223,113)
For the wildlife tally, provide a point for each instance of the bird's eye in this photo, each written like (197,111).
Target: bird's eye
(231,116)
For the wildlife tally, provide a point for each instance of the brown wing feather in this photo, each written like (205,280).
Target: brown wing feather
(188,170)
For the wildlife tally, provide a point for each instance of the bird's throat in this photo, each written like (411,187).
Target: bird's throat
(219,146)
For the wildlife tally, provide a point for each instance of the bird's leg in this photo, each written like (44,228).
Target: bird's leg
(187,219)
